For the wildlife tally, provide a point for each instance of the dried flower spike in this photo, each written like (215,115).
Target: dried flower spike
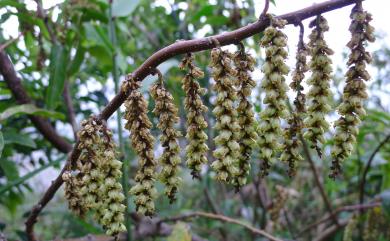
(354,94)
(275,88)
(142,141)
(291,134)
(244,65)
(196,150)
(227,147)
(319,82)
(166,111)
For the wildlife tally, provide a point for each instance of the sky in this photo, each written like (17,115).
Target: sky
(336,38)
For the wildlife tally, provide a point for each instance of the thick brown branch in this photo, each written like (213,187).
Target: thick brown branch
(15,85)
(223,219)
(182,47)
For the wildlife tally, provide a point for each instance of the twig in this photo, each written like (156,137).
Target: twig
(350,208)
(10,41)
(182,47)
(223,219)
(265,10)
(368,166)
(317,179)
(331,230)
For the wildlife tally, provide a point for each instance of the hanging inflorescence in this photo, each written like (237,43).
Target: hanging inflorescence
(196,150)
(166,111)
(351,109)
(227,148)
(92,184)
(275,88)
(292,133)
(244,64)
(319,82)
(142,141)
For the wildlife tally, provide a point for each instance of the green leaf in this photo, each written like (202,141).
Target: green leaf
(30,109)
(77,61)
(206,10)
(122,8)
(20,180)
(12,137)
(1,143)
(58,62)
(11,3)
(10,169)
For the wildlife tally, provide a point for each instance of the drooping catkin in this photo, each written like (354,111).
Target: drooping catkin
(291,134)
(88,164)
(166,111)
(227,147)
(196,149)
(142,141)
(112,208)
(96,183)
(72,192)
(244,65)
(275,88)
(351,109)
(319,82)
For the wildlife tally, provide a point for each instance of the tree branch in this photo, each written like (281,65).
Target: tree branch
(178,48)
(15,85)
(223,219)
(368,166)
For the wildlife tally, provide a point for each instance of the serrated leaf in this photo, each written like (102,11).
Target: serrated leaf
(31,110)
(17,138)
(122,8)
(58,63)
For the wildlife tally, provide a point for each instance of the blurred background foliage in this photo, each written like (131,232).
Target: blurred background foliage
(75,46)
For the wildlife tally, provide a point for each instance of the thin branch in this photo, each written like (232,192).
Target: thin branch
(265,10)
(15,85)
(223,219)
(182,47)
(10,41)
(324,196)
(368,166)
(349,208)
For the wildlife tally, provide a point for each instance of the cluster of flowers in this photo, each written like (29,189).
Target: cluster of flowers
(93,182)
